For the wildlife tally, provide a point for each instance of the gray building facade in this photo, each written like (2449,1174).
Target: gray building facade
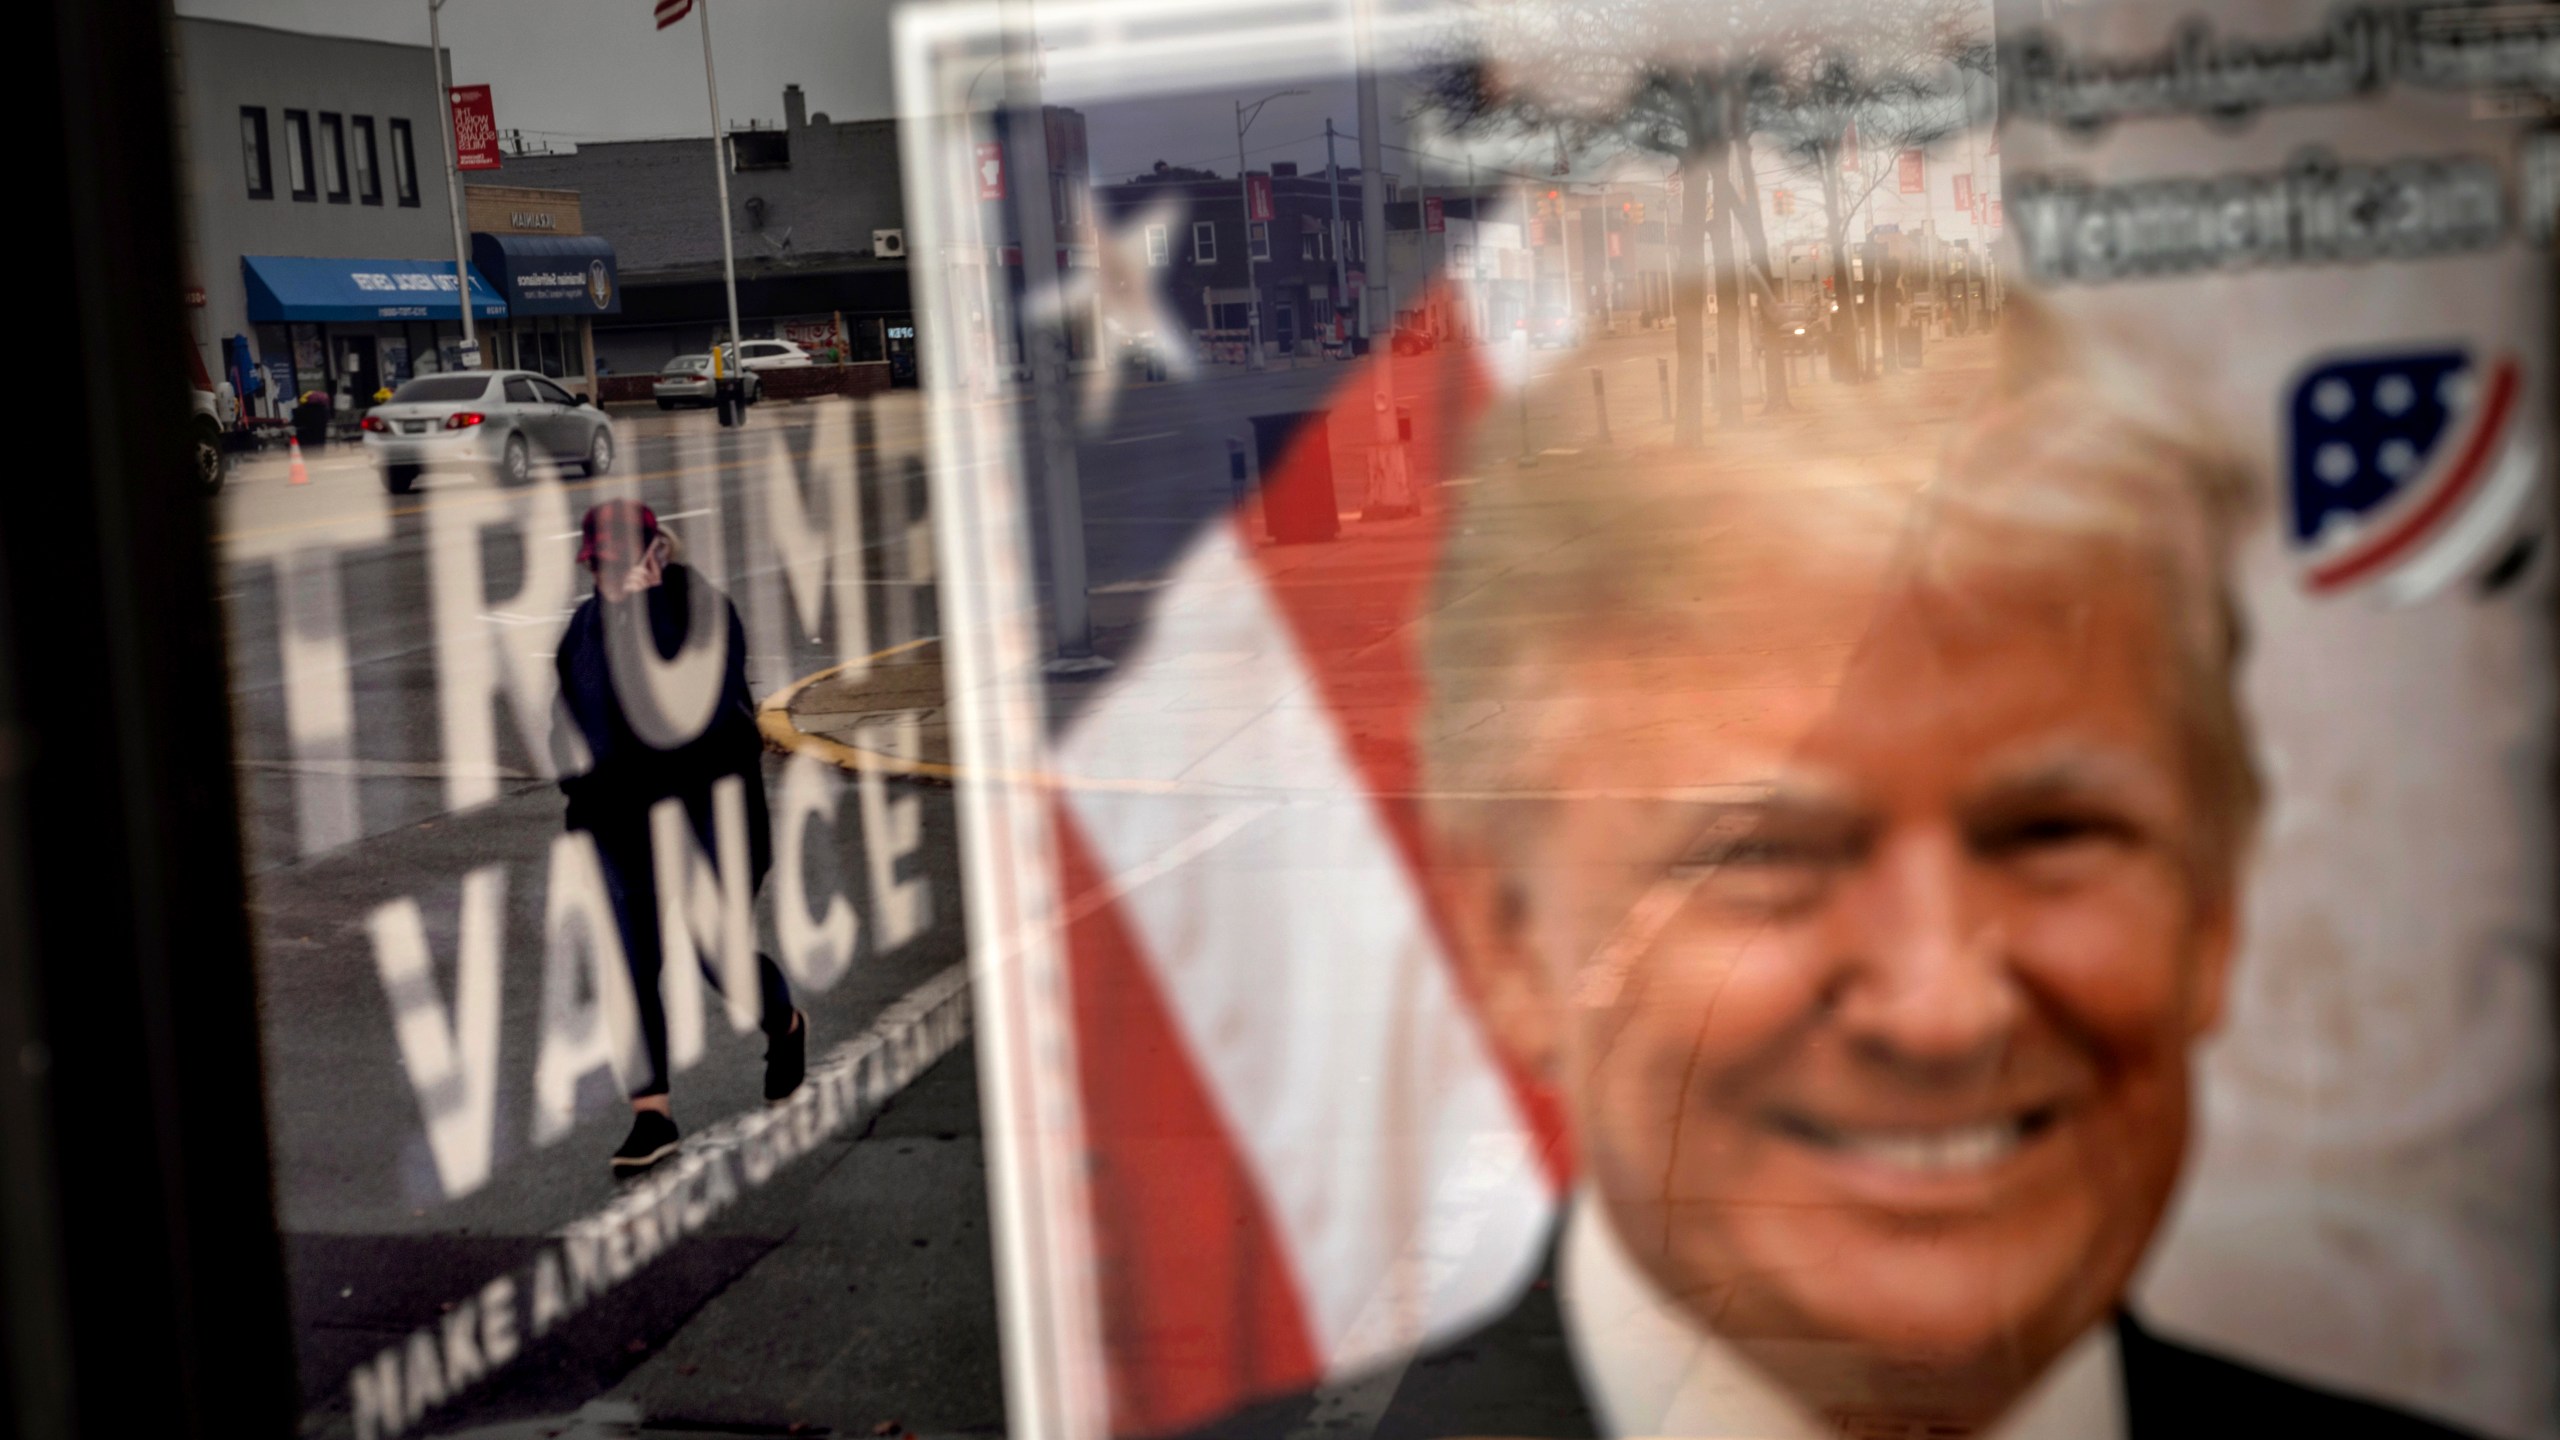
(312,147)
(815,214)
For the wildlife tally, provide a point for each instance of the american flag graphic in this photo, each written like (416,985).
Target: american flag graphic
(1302,1158)
(2401,467)
(671,11)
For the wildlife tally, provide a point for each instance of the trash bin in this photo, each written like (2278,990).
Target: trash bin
(311,421)
(1297,506)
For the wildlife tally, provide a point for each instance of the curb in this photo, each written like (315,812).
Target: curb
(783,736)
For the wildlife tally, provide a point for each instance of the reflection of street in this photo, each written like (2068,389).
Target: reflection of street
(337,580)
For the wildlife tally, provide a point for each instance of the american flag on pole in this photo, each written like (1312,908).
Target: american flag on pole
(671,11)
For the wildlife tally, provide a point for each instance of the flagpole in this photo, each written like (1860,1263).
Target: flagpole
(452,184)
(728,247)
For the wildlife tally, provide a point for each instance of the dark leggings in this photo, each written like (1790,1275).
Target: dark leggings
(631,881)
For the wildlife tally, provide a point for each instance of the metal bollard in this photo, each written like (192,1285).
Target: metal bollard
(1600,403)
(1237,481)
(1662,374)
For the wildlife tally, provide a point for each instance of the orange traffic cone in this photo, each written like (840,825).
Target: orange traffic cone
(293,447)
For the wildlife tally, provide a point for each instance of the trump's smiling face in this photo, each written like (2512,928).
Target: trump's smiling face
(1871,984)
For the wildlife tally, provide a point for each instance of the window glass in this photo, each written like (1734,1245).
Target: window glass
(297,155)
(366,159)
(1233,610)
(435,389)
(253,152)
(333,158)
(404,163)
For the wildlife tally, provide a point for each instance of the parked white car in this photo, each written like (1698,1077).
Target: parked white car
(757,355)
(684,380)
(205,431)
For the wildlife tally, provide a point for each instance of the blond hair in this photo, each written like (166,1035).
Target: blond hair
(2076,459)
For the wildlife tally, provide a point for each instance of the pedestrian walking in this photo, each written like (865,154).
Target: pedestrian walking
(634,562)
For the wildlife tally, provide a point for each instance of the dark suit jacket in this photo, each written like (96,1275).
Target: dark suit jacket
(1516,1377)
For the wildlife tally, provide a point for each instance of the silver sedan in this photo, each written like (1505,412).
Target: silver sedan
(501,421)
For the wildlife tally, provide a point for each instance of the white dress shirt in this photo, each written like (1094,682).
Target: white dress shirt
(1649,1368)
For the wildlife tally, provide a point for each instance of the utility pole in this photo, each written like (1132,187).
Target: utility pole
(1390,481)
(1476,301)
(1044,346)
(453,185)
(1252,290)
(1341,237)
(1377,290)
(728,246)
(1245,116)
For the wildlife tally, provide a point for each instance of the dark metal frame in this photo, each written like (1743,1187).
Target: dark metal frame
(141,1278)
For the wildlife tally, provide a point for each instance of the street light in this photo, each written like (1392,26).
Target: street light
(452,184)
(1245,116)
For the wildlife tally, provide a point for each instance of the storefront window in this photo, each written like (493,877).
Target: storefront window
(1500,869)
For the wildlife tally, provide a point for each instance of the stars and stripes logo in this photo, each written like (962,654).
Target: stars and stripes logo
(2404,469)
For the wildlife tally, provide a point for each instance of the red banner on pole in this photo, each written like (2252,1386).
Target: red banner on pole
(1434,220)
(1911,177)
(1257,196)
(990,169)
(1964,192)
(475,128)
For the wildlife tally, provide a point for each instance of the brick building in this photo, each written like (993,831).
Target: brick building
(1201,238)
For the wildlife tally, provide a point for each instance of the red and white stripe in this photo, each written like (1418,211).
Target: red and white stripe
(671,11)
(1305,1159)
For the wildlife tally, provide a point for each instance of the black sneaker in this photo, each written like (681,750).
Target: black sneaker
(652,1139)
(786,1060)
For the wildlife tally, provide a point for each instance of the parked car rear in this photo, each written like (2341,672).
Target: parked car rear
(684,380)
(500,421)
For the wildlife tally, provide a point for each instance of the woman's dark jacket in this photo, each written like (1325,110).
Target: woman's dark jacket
(628,775)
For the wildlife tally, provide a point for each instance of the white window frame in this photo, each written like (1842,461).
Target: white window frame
(1204,242)
(1159,247)
(1261,239)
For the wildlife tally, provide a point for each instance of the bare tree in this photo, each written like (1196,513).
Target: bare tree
(1857,85)
(1659,77)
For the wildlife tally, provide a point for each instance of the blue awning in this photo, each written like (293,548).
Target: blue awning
(300,287)
(551,274)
